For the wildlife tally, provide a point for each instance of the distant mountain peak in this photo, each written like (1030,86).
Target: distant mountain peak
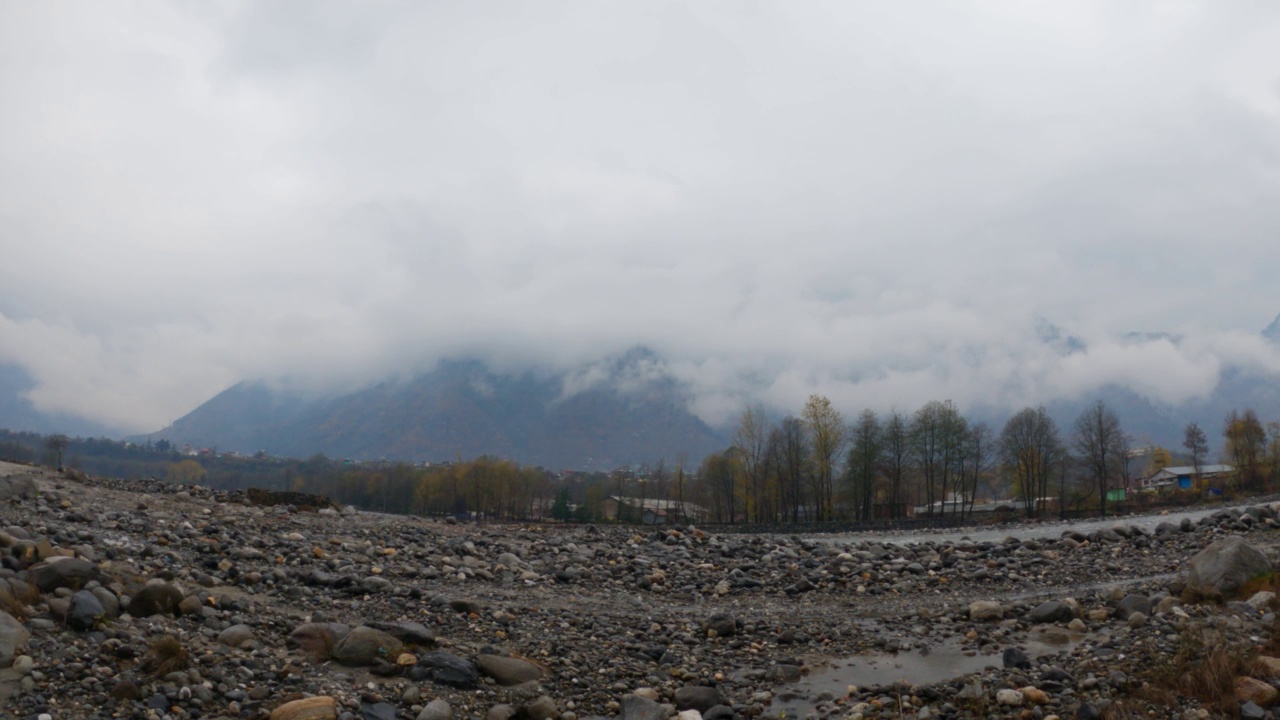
(1052,335)
(1146,337)
(1272,331)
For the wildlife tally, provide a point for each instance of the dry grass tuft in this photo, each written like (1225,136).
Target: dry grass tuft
(1193,596)
(165,656)
(1205,671)
(1266,581)
(17,600)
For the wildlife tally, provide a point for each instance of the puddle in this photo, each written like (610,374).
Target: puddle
(831,679)
(1048,593)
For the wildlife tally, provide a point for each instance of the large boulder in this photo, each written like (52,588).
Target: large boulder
(85,611)
(508,670)
(156,597)
(445,669)
(235,636)
(1222,569)
(365,646)
(63,572)
(986,611)
(635,707)
(410,633)
(437,709)
(698,697)
(313,708)
(13,635)
(1051,611)
(1133,603)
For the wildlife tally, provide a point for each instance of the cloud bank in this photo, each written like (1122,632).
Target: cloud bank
(877,203)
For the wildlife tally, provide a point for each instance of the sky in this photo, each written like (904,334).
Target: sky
(885,203)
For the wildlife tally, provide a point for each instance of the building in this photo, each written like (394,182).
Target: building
(651,511)
(1182,477)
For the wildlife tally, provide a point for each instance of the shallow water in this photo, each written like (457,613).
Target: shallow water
(915,667)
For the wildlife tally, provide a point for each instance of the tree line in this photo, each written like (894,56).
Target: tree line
(819,468)
(813,468)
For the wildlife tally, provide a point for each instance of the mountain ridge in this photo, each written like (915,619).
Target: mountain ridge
(462,409)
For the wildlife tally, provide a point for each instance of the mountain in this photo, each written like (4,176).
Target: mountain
(621,412)
(1272,331)
(18,413)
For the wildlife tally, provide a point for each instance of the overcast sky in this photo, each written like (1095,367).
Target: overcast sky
(883,202)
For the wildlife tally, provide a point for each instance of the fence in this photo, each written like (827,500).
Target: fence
(848,526)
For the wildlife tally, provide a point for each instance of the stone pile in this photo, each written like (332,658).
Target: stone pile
(145,600)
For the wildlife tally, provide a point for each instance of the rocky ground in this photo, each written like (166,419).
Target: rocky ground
(145,600)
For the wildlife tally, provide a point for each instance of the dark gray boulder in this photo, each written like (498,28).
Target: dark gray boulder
(1133,603)
(723,624)
(1015,658)
(85,611)
(1051,611)
(1222,569)
(445,669)
(698,697)
(56,573)
(156,597)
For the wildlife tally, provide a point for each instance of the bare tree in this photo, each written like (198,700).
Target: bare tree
(897,458)
(679,478)
(863,467)
(751,441)
(1030,446)
(719,477)
(57,444)
(1124,460)
(1098,439)
(937,439)
(793,459)
(979,454)
(661,479)
(1197,444)
(827,436)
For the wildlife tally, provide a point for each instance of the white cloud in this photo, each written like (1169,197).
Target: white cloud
(875,202)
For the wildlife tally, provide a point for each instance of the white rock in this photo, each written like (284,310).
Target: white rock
(23,664)
(1263,600)
(1012,698)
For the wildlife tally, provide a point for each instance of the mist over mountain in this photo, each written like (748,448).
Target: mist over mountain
(619,412)
(1149,419)
(17,412)
(1272,331)
(633,408)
